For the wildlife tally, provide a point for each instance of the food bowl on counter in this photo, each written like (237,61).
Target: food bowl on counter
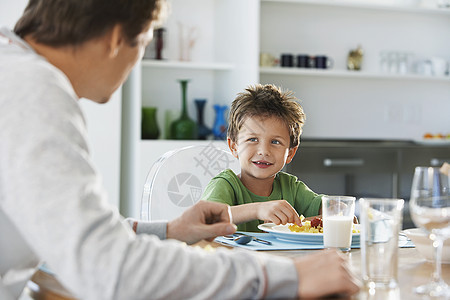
(424,245)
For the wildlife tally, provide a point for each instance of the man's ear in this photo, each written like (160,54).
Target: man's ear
(291,154)
(115,40)
(233,147)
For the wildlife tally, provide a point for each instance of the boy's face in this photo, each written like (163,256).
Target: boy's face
(262,147)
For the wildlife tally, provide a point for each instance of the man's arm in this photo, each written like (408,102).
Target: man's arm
(158,228)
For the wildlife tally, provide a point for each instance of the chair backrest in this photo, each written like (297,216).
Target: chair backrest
(178,178)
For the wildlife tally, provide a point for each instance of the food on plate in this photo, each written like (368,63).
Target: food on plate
(437,136)
(313,226)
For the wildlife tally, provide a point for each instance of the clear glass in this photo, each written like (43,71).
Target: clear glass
(430,210)
(381,221)
(384,62)
(393,62)
(337,216)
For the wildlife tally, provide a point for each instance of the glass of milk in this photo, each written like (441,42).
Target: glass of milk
(337,217)
(381,221)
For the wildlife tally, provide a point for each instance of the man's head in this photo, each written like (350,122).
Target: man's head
(264,101)
(95,43)
(60,23)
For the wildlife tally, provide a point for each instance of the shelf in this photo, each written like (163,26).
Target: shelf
(346,74)
(171,64)
(370,5)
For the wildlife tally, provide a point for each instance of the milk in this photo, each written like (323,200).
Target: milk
(337,232)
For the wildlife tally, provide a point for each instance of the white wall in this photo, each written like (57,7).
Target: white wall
(103,121)
(10,11)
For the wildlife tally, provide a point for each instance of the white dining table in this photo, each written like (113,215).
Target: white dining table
(413,270)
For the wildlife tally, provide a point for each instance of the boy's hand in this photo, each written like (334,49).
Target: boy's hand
(329,275)
(278,212)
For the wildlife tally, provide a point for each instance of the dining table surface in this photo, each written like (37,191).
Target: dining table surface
(413,270)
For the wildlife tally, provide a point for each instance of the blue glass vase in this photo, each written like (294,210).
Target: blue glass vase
(220,124)
(203,131)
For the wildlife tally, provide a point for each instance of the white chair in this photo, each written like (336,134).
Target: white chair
(178,178)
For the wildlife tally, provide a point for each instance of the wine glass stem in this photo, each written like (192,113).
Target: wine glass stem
(437,244)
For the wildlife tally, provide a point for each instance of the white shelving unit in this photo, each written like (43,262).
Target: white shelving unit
(408,6)
(347,74)
(189,65)
(366,104)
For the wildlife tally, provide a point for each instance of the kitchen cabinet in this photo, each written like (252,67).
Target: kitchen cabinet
(374,169)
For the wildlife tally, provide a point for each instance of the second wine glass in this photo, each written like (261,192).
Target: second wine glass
(430,210)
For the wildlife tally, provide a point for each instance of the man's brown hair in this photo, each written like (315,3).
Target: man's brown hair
(72,22)
(267,101)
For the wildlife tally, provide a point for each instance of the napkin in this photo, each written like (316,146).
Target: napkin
(287,245)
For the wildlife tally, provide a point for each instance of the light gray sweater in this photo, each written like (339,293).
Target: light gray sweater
(53,208)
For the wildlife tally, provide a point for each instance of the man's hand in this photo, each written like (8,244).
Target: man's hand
(325,273)
(278,212)
(204,220)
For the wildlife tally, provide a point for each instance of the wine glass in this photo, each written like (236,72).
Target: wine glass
(430,210)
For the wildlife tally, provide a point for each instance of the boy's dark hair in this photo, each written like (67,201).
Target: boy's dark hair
(59,23)
(267,101)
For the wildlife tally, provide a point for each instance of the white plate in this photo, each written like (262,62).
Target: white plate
(433,142)
(282,232)
(425,246)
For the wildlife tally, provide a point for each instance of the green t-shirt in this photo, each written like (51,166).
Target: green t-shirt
(227,188)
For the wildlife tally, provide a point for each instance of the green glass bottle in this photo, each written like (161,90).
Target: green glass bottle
(184,128)
(149,125)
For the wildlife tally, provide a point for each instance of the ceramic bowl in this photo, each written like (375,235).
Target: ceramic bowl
(424,244)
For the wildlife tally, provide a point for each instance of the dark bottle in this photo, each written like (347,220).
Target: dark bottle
(149,125)
(203,131)
(159,42)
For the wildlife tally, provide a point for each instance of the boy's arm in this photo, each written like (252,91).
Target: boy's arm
(220,190)
(275,211)
(244,212)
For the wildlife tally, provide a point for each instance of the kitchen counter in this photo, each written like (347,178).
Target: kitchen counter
(308,142)
(365,168)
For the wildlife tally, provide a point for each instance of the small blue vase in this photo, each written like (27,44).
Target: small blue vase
(203,131)
(220,124)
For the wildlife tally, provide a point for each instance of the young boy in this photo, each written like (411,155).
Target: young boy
(265,124)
